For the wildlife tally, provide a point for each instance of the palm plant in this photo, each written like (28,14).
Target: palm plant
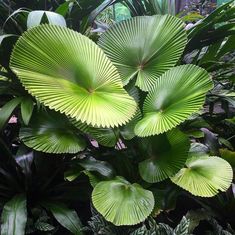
(124,92)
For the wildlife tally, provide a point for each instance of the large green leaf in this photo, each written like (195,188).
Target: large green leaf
(122,203)
(177,94)
(66,217)
(204,176)
(51,132)
(68,72)
(145,47)
(167,155)
(105,136)
(14,216)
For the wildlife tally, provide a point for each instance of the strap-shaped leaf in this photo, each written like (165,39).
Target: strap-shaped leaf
(177,94)
(26,109)
(167,155)
(14,216)
(122,203)
(204,176)
(69,73)
(101,167)
(51,132)
(68,218)
(145,46)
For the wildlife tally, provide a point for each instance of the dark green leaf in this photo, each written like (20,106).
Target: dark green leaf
(14,216)
(7,109)
(26,109)
(165,155)
(103,168)
(52,132)
(63,8)
(68,218)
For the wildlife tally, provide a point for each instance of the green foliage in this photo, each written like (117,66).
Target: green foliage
(150,7)
(92,90)
(108,127)
(14,216)
(204,176)
(151,49)
(99,226)
(175,96)
(130,203)
(52,132)
(66,217)
(165,154)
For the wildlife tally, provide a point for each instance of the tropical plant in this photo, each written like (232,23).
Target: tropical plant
(30,192)
(73,76)
(131,116)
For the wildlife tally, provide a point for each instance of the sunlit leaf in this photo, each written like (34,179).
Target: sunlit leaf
(122,203)
(177,94)
(204,176)
(144,47)
(69,73)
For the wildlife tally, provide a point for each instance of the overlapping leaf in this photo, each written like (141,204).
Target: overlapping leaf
(145,47)
(105,136)
(204,176)
(52,132)
(69,73)
(167,155)
(122,203)
(177,94)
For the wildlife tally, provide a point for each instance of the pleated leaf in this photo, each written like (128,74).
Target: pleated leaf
(204,176)
(177,94)
(167,155)
(127,131)
(107,137)
(144,46)
(122,203)
(69,73)
(52,132)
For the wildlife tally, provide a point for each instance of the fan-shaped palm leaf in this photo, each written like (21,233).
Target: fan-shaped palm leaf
(204,176)
(68,72)
(122,203)
(177,94)
(127,131)
(168,154)
(51,132)
(145,47)
(104,136)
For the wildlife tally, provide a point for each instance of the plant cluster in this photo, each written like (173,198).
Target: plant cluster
(127,122)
